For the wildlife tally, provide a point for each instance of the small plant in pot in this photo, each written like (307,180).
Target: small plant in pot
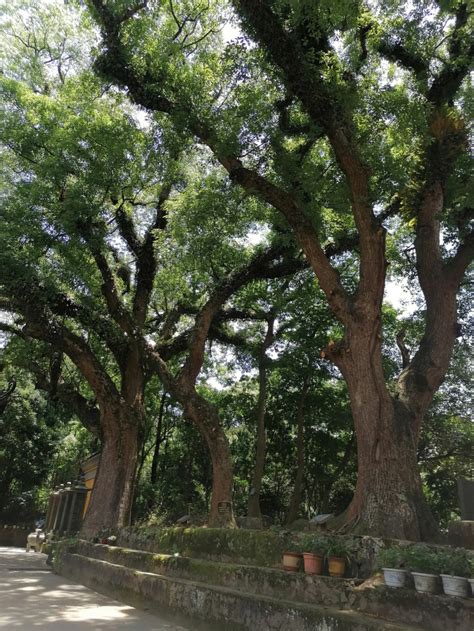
(455,570)
(313,553)
(392,562)
(338,554)
(424,565)
(292,561)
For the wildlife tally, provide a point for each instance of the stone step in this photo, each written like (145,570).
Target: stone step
(229,609)
(438,612)
(321,590)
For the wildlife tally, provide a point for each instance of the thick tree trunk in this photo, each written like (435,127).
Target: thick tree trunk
(295,500)
(112,498)
(206,419)
(388,499)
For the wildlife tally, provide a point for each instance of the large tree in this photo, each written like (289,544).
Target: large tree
(342,115)
(98,257)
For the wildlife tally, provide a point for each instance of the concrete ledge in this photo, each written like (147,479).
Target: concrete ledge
(219,605)
(437,612)
(321,590)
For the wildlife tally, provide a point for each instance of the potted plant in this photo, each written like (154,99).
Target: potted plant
(424,565)
(313,554)
(392,562)
(455,565)
(292,561)
(337,553)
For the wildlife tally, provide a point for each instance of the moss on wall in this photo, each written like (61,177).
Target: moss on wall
(255,547)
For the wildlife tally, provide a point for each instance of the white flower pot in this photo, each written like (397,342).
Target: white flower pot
(394,577)
(427,583)
(455,585)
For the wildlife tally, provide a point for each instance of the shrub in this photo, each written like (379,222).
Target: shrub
(393,557)
(337,547)
(455,562)
(420,558)
(316,544)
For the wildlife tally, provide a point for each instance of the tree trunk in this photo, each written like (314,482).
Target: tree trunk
(388,499)
(156,451)
(112,498)
(206,419)
(300,458)
(253,505)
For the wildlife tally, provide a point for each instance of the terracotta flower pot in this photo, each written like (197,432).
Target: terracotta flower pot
(313,563)
(291,561)
(337,566)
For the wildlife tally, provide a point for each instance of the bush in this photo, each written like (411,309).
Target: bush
(420,558)
(455,562)
(315,544)
(392,558)
(337,547)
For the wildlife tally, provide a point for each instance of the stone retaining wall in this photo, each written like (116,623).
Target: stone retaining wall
(250,547)
(14,535)
(128,573)
(227,609)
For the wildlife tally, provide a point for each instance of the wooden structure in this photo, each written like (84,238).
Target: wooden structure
(89,470)
(67,505)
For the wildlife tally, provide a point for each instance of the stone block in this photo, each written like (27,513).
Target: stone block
(461,534)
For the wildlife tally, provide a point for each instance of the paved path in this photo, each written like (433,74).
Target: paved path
(32,597)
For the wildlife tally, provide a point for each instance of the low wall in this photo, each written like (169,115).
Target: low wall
(245,593)
(219,608)
(14,535)
(250,547)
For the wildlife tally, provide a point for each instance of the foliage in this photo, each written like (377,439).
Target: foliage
(456,562)
(337,547)
(81,158)
(420,558)
(317,544)
(392,557)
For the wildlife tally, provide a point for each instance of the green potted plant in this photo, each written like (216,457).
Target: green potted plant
(456,568)
(338,553)
(313,548)
(424,565)
(392,562)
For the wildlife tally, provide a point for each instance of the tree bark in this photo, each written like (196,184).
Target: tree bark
(295,500)
(206,419)
(253,506)
(158,441)
(388,497)
(112,498)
